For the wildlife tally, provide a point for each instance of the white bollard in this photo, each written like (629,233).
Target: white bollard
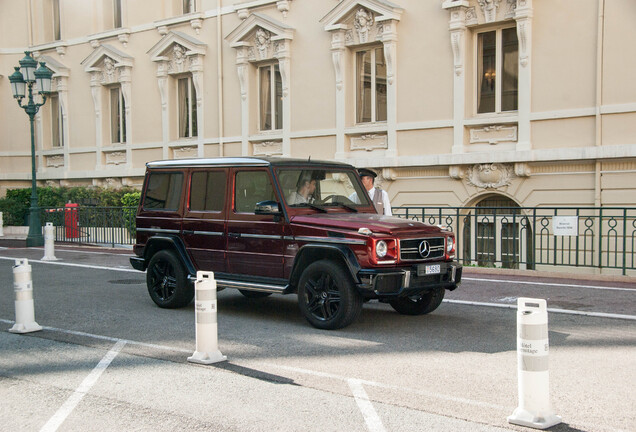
(206,329)
(534,408)
(49,242)
(24,310)
(1,226)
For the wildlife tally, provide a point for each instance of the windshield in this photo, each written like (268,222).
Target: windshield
(322,188)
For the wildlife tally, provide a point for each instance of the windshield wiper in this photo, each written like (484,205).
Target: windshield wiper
(347,206)
(313,206)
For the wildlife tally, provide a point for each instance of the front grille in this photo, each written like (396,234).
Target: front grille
(410,249)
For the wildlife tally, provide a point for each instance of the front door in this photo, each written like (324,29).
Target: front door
(254,242)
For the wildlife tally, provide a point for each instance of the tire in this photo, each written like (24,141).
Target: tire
(327,297)
(167,281)
(420,304)
(254,294)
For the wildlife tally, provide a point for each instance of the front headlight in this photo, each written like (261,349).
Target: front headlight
(450,245)
(381,249)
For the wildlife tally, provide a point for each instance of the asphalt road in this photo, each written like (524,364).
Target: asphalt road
(109,359)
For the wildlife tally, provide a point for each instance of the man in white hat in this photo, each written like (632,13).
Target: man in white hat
(379,197)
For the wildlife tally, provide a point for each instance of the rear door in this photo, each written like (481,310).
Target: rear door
(204,230)
(254,242)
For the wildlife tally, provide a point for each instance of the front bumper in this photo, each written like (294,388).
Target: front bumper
(138,263)
(407,280)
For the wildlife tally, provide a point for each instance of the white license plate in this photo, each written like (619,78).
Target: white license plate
(433,269)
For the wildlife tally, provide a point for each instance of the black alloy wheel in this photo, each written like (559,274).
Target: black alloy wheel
(327,297)
(167,281)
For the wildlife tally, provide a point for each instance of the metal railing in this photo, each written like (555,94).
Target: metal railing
(524,237)
(508,237)
(92,225)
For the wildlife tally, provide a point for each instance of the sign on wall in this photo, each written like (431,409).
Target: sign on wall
(565,225)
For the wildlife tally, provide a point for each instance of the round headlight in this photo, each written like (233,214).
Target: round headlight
(450,244)
(381,249)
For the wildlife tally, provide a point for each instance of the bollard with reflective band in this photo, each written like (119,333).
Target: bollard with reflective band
(206,329)
(49,242)
(24,309)
(534,408)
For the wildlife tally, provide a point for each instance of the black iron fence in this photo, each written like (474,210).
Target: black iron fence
(92,225)
(508,237)
(530,238)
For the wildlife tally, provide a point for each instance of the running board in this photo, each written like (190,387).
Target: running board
(252,286)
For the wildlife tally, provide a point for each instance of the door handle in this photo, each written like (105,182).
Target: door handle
(188,232)
(234,235)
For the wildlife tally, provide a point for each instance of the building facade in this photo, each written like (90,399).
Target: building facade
(454,103)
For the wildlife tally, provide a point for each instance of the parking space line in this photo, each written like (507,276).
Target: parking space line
(366,407)
(596,287)
(67,408)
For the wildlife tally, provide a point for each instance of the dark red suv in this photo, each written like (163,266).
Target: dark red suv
(273,225)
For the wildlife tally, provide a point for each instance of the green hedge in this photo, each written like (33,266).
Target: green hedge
(15,206)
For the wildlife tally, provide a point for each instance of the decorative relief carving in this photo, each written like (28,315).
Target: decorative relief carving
(184,152)
(489,8)
(471,16)
(369,142)
(263,43)
(177,62)
(489,176)
(456,172)
(493,134)
(363,21)
(55,161)
(511,9)
(112,182)
(522,170)
(268,148)
(109,70)
(115,158)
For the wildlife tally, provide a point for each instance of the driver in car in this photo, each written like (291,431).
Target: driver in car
(305,189)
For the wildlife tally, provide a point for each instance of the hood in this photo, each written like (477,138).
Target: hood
(389,225)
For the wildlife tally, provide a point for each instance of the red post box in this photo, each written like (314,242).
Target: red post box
(71,221)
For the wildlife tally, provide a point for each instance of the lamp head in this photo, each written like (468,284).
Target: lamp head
(43,77)
(18,85)
(27,67)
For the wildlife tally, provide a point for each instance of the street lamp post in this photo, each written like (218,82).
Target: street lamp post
(22,79)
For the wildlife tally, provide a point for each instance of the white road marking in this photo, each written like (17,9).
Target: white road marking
(67,408)
(131,270)
(386,386)
(371,418)
(596,287)
(108,338)
(558,311)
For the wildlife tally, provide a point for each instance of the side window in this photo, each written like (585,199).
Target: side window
(252,187)
(163,191)
(207,191)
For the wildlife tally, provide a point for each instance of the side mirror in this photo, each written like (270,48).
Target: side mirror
(268,208)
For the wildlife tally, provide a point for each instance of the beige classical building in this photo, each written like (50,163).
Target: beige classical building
(529,102)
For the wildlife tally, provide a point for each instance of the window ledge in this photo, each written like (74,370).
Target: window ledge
(484,119)
(364,128)
(267,136)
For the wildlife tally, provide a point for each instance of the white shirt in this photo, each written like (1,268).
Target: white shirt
(385,200)
(296,198)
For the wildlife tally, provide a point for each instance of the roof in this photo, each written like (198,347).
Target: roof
(247,161)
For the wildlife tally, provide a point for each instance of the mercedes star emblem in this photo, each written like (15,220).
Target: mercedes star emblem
(424,249)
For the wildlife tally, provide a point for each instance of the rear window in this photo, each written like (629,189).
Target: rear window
(163,191)
(207,191)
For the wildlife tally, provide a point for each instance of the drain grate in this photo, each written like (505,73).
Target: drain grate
(127,281)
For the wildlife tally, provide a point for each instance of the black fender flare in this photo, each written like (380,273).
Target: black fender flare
(314,251)
(169,242)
